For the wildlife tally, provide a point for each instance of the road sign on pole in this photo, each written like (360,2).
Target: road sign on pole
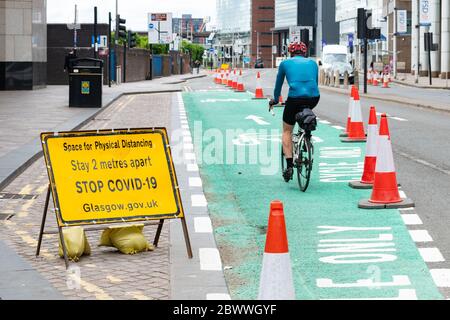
(160,28)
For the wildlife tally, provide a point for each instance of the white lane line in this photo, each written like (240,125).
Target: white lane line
(406,209)
(186,133)
(217,296)
(411,219)
(431,255)
(192,167)
(324,122)
(441,277)
(398,119)
(198,200)
(203,225)
(402,194)
(187,138)
(338,127)
(210,259)
(189,156)
(195,182)
(188,147)
(420,236)
(185,126)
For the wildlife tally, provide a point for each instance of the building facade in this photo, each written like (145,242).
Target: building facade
(189,27)
(23,42)
(244,31)
(315,15)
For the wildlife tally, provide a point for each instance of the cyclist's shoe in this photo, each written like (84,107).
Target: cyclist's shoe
(288,173)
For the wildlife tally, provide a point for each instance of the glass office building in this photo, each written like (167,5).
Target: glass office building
(233,16)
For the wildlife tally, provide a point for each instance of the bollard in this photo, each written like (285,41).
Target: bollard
(336,79)
(346,80)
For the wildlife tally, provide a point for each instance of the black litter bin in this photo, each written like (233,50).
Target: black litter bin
(85,82)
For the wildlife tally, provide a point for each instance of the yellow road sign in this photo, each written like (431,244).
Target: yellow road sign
(105,176)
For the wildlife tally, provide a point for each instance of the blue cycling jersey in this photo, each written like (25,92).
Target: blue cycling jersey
(302,76)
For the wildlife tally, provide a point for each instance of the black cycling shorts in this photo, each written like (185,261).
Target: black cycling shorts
(296,105)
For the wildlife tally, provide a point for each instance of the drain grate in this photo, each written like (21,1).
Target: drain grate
(17,196)
(5,216)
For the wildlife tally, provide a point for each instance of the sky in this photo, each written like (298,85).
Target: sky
(134,11)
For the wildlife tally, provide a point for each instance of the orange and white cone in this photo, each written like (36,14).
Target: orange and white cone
(385,193)
(369,77)
(235,80)
(370,160)
(356,128)
(230,80)
(259,91)
(385,81)
(240,85)
(351,103)
(276,282)
(225,78)
(281,101)
(218,77)
(375,79)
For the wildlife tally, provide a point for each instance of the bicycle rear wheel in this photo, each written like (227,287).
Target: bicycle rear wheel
(305,161)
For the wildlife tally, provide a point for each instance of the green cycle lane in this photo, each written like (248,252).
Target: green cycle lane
(337,250)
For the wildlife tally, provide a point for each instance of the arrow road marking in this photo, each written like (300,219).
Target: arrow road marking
(258,120)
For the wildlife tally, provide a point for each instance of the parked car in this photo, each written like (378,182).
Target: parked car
(335,57)
(259,64)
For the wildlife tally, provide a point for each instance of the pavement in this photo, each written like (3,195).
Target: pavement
(227,196)
(25,114)
(423,83)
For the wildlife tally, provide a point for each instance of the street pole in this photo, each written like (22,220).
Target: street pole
(394,57)
(116,41)
(272,50)
(95,34)
(418,43)
(365,63)
(109,50)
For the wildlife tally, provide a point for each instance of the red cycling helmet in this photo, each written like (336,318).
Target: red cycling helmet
(298,48)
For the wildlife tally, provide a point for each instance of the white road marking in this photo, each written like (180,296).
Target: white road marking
(192,167)
(441,277)
(406,209)
(258,120)
(188,147)
(217,296)
(402,194)
(195,182)
(411,219)
(198,200)
(210,259)
(338,127)
(189,156)
(185,126)
(186,133)
(431,255)
(203,225)
(324,122)
(398,119)
(420,236)
(187,138)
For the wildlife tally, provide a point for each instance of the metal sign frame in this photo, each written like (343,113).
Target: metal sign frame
(52,189)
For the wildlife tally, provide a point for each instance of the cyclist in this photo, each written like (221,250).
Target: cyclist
(302,76)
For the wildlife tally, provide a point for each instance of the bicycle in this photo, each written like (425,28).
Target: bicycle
(303,148)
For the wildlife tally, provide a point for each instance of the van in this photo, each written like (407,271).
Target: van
(335,57)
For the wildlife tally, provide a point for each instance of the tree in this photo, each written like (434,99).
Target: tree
(194,50)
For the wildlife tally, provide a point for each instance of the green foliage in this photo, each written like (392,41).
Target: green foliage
(194,50)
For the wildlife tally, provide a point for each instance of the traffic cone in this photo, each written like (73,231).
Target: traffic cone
(230,80)
(351,102)
(218,77)
(240,86)
(235,80)
(281,101)
(385,81)
(276,282)
(385,193)
(259,91)
(356,128)
(375,79)
(369,77)
(225,78)
(370,160)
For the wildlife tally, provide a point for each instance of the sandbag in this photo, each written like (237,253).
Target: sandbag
(128,239)
(76,243)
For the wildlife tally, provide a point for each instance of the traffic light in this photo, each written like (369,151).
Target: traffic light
(131,39)
(363,31)
(120,28)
